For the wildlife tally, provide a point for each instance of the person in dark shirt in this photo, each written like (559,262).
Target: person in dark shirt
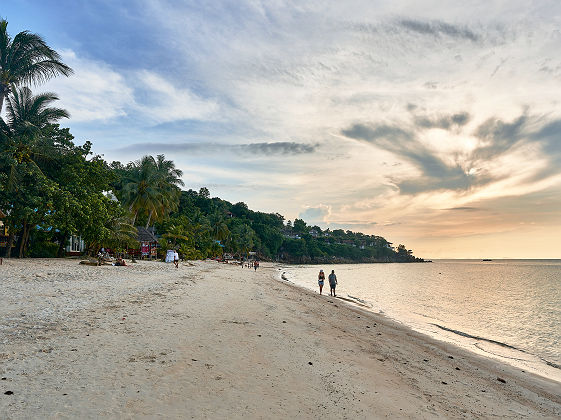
(332,283)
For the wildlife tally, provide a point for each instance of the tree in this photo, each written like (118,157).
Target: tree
(168,180)
(21,139)
(151,187)
(300,226)
(23,150)
(26,59)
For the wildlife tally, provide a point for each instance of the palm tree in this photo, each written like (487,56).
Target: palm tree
(168,180)
(152,187)
(140,190)
(26,59)
(22,146)
(20,135)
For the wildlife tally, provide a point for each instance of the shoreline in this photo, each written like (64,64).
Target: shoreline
(213,340)
(478,345)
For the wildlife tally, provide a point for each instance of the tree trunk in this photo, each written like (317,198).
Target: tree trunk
(22,238)
(8,252)
(26,239)
(149,217)
(61,244)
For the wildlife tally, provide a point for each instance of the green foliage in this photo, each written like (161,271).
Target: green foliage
(43,250)
(149,187)
(213,226)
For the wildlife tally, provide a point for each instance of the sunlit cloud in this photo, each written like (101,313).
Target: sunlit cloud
(407,119)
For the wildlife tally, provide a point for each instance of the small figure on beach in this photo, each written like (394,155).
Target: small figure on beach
(321,279)
(332,283)
(256,265)
(176,259)
(120,262)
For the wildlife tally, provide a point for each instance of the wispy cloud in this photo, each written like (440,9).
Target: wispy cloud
(100,92)
(264,148)
(95,92)
(444,122)
(439,28)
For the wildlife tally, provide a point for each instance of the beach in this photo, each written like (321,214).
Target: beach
(211,340)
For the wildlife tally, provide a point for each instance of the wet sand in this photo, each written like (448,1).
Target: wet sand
(215,341)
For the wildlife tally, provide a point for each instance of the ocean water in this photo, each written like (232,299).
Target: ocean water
(505,309)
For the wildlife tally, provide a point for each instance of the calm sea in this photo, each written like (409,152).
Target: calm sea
(506,309)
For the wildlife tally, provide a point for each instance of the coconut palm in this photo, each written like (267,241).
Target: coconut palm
(152,187)
(169,180)
(26,59)
(140,190)
(20,135)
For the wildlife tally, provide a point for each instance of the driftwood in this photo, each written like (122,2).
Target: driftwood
(87,262)
(95,262)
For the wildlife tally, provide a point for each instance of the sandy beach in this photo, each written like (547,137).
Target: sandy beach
(210,340)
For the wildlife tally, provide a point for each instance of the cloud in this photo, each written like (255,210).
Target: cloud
(282,148)
(264,148)
(444,122)
(497,147)
(99,92)
(161,101)
(435,173)
(94,92)
(463,209)
(438,28)
(316,215)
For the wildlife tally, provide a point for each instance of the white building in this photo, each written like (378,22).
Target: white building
(75,245)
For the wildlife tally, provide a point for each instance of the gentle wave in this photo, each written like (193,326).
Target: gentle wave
(498,343)
(476,337)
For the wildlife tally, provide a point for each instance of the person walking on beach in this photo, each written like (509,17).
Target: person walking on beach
(256,265)
(332,283)
(176,259)
(321,279)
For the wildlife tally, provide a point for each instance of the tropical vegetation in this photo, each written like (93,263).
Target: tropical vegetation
(52,188)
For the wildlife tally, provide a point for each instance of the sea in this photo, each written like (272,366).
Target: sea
(509,310)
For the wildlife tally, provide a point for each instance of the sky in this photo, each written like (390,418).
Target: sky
(433,124)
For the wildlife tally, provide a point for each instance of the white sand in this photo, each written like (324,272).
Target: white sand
(217,341)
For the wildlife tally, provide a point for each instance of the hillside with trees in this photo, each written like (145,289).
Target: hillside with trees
(52,188)
(205,227)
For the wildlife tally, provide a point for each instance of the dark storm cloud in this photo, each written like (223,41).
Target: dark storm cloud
(438,28)
(264,148)
(444,122)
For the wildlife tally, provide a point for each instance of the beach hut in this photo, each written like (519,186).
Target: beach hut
(148,243)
